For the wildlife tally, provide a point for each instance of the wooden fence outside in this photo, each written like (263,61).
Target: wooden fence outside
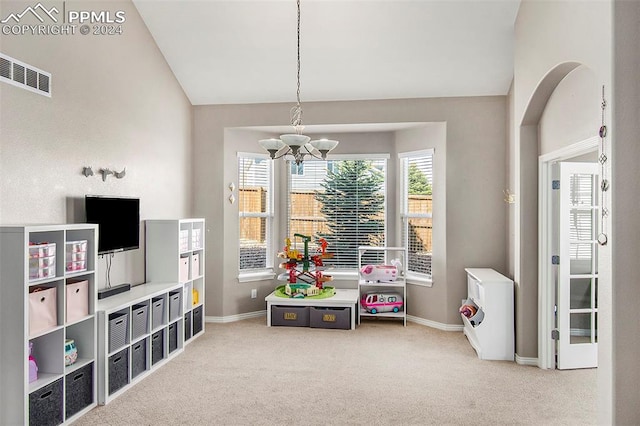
(306,217)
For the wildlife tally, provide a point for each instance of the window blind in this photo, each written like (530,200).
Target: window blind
(255,184)
(417,210)
(342,201)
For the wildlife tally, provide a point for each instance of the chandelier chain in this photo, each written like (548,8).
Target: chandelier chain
(296,111)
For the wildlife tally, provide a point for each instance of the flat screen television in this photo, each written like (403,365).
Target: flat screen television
(118,220)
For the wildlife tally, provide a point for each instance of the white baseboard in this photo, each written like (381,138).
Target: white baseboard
(526,361)
(434,324)
(257,314)
(234,318)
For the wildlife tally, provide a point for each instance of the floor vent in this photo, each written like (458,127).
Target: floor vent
(24,76)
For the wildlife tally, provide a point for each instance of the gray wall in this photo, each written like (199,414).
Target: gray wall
(625,222)
(115,104)
(572,113)
(605,37)
(552,39)
(475,176)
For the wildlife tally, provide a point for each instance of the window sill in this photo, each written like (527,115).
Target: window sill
(267,274)
(419,280)
(343,275)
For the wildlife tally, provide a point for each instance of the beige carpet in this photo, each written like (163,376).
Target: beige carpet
(244,373)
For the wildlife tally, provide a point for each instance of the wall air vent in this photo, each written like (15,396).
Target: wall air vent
(24,76)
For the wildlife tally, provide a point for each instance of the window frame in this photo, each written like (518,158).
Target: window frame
(351,273)
(415,278)
(258,274)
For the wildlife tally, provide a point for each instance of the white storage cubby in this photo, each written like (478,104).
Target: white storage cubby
(491,330)
(127,355)
(175,253)
(34,257)
(382,256)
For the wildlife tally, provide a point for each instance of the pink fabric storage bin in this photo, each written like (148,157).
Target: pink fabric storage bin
(184,269)
(77,300)
(43,310)
(195,265)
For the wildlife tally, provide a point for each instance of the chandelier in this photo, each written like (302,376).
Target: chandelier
(297,145)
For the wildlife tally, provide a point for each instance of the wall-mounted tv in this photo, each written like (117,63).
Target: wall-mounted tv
(118,220)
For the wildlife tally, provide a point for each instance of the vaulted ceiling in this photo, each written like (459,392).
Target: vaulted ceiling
(243,51)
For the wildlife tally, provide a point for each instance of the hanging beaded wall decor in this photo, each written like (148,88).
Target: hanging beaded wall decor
(604,184)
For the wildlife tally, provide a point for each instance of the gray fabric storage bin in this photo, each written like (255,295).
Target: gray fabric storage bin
(330,318)
(118,367)
(45,405)
(175,299)
(196,324)
(173,336)
(118,326)
(139,320)
(78,390)
(187,326)
(157,346)
(157,312)
(139,357)
(293,316)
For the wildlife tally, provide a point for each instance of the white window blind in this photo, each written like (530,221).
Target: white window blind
(583,220)
(342,201)
(255,204)
(417,210)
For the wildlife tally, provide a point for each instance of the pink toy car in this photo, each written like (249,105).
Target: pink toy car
(387,301)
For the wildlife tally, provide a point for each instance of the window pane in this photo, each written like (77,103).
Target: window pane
(417,211)
(253,243)
(254,204)
(343,203)
(420,231)
(254,179)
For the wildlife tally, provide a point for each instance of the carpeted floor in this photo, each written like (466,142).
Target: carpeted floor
(245,373)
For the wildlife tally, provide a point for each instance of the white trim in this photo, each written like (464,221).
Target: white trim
(258,314)
(533,362)
(241,154)
(579,148)
(434,324)
(546,297)
(256,275)
(419,279)
(421,152)
(383,156)
(344,275)
(234,318)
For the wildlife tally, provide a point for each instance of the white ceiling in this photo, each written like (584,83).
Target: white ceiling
(242,51)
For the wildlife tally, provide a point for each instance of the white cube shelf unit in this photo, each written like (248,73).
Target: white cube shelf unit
(383,256)
(34,258)
(175,253)
(138,331)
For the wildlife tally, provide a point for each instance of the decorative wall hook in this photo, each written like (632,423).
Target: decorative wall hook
(105,173)
(120,175)
(232,186)
(232,199)
(87,171)
(509,198)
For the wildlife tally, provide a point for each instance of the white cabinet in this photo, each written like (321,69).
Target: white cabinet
(382,286)
(175,252)
(139,331)
(47,297)
(144,328)
(491,330)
